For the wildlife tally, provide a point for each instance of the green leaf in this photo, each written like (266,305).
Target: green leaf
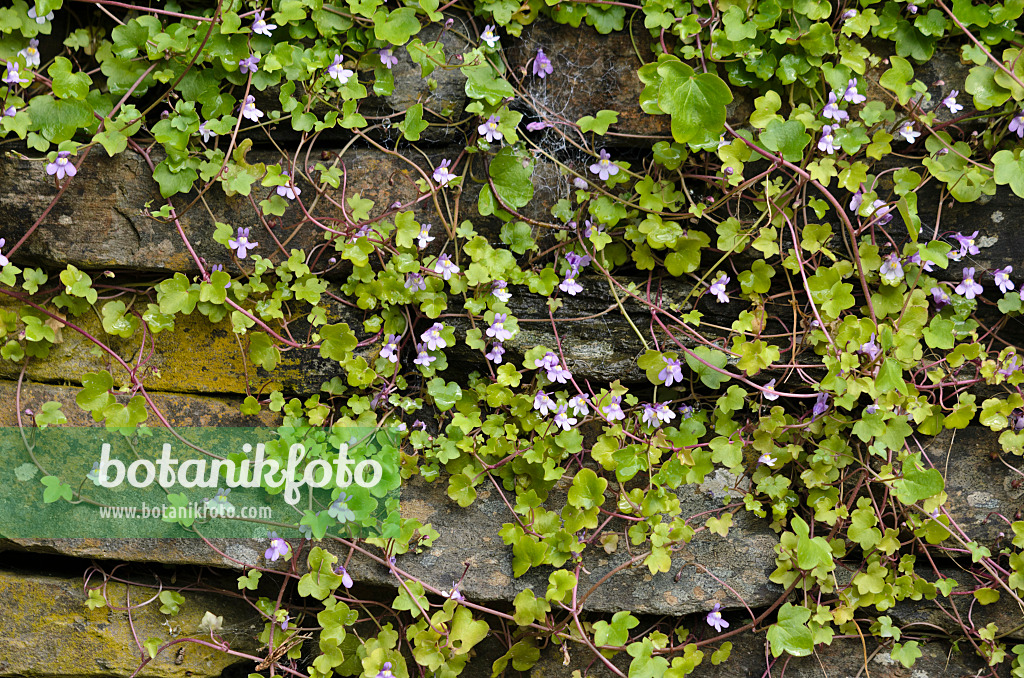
(696,102)
(396,27)
(916,485)
(444,394)
(413,124)
(50,414)
(68,85)
(789,138)
(598,124)
(511,171)
(711,377)
(55,489)
(171,602)
(337,342)
(811,552)
(790,633)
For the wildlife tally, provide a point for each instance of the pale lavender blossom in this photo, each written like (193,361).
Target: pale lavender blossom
(250,65)
(820,406)
(881,211)
(445,267)
(1002,276)
(62,166)
(11,75)
(892,270)
(3,260)
(489,129)
(1017,125)
(925,265)
(442,173)
(454,593)
(39,19)
(497,329)
(339,72)
(495,354)
(422,357)
(714,618)
(766,459)
(31,53)
(9,112)
(488,36)
(851,94)
(537,126)
(871,349)
(650,416)
(613,410)
(849,14)
(908,132)
(433,339)
(289,190)
(563,420)
(424,238)
(388,58)
(249,110)
(968,243)
(1011,366)
(543,403)
(769,391)
(390,350)
(414,282)
(856,200)
(580,183)
(968,287)
(912,8)
(604,167)
(579,405)
(664,413)
(832,110)
(718,289)
(542,65)
(939,297)
(279,548)
(570,286)
(827,142)
(950,102)
(260,26)
(577,261)
(206,133)
(385,671)
(240,243)
(553,366)
(346,578)
(672,372)
(498,289)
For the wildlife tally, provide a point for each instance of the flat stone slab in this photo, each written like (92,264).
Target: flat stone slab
(46,629)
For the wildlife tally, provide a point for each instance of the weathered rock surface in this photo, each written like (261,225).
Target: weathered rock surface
(46,629)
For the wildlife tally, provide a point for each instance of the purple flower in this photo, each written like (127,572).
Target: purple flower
(569,285)
(715,620)
(240,243)
(613,410)
(387,58)
(422,357)
(338,72)
(498,289)
(424,238)
(488,36)
(3,260)
(31,53)
(206,134)
(672,372)
(1017,421)
(62,166)
(553,366)
(11,76)
(249,65)
(870,349)
(856,201)
(892,271)
(433,339)
(908,132)
(279,548)
(849,14)
(769,391)
(454,593)
(768,460)
(537,126)
(664,412)
(939,297)
(1011,366)
(580,183)
(718,289)
(260,26)
(390,350)
(820,406)
(1017,125)
(495,354)
(289,190)
(346,578)
(827,143)
(577,261)
(563,420)
(579,405)
(445,267)
(912,8)
(604,167)
(249,110)
(39,19)
(1002,276)
(851,94)
(489,129)
(442,175)
(968,244)
(385,671)
(650,416)
(9,112)
(915,259)
(832,110)
(415,282)
(950,102)
(542,65)
(543,403)
(968,287)
(497,329)
(880,210)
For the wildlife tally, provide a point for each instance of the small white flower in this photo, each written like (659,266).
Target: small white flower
(908,132)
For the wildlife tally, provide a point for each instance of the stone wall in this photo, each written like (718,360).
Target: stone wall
(199,374)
